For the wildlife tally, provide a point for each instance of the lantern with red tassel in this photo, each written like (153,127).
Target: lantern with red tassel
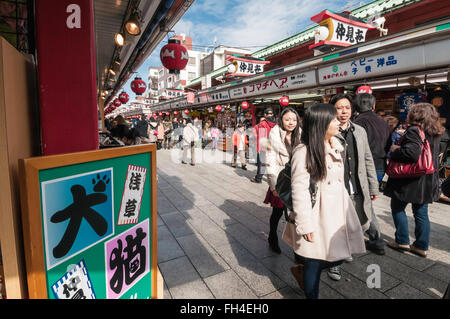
(174,56)
(284,101)
(138,86)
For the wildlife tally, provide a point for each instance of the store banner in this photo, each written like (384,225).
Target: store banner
(288,82)
(387,63)
(65,41)
(218,96)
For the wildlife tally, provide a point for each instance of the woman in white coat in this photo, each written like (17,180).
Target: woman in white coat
(190,137)
(323,235)
(283,138)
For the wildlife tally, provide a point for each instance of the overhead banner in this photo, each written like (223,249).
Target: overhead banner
(218,96)
(288,82)
(396,61)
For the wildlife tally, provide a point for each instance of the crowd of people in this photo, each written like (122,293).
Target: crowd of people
(343,149)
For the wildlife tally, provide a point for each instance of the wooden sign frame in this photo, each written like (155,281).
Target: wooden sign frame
(32,220)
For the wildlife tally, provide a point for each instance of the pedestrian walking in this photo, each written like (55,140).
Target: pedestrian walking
(283,138)
(419,191)
(152,130)
(190,138)
(142,126)
(326,233)
(160,135)
(261,133)
(240,142)
(360,178)
(215,135)
(168,132)
(378,131)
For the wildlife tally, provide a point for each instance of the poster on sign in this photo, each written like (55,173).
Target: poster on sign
(132,195)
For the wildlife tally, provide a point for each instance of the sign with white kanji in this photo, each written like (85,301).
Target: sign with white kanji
(132,195)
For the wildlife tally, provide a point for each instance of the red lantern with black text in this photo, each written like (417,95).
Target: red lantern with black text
(138,86)
(284,101)
(174,56)
(117,103)
(244,105)
(123,97)
(218,108)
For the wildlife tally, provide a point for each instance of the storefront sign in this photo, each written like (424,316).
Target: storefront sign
(218,96)
(91,224)
(396,61)
(241,66)
(172,93)
(288,82)
(342,30)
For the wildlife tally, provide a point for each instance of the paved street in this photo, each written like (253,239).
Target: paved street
(212,241)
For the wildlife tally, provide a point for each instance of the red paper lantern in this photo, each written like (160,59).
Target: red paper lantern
(218,108)
(117,103)
(364,89)
(186,111)
(154,114)
(244,105)
(284,101)
(160,113)
(175,112)
(174,56)
(138,86)
(123,97)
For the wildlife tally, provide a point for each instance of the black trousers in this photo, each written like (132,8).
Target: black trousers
(274,220)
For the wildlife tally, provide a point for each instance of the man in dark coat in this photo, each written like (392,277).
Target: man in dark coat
(142,126)
(378,131)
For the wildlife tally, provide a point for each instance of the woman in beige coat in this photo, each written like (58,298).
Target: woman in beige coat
(329,232)
(283,138)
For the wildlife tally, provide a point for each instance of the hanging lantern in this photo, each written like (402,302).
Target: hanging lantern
(218,108)
(160,113)
(123,97)
(364,89)
(175,112)
(117,103)
(244,105)
(154,115)
(138,86)
(284,101)
(174,56)
(186,111)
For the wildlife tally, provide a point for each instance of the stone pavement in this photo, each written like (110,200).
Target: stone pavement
(212,241)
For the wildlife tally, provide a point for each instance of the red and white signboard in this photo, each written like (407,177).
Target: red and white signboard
(132,195)
(241,66)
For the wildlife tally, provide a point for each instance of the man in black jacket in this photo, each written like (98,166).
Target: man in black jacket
(142,126)
(378,131)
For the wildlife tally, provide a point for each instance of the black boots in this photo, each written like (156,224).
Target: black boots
(273,243)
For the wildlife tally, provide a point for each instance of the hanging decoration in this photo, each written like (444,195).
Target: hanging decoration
(244,105)
(284,101)
(123,97)
(175,112)
(218,108)
(117,103)
(138,86)
(174,56)
(186,111)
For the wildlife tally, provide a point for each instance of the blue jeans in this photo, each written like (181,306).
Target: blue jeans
(422,230)
(312,269)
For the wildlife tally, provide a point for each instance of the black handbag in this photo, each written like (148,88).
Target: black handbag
(284,190)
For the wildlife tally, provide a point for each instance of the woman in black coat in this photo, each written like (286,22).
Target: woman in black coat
(419,191)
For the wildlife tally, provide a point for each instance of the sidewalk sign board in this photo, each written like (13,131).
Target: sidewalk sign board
(89,224)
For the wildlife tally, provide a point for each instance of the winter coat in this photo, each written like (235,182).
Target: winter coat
(336,229)
(277,155)
(419,190)
(190,134)
(237,136)
(142,128)
(160,131)
(261,132)
(378,135)
(151,130)
(366,170)
(168,127)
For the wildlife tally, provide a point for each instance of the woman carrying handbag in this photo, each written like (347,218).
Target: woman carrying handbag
(421,187)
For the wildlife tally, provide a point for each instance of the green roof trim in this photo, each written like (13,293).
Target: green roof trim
(443,27)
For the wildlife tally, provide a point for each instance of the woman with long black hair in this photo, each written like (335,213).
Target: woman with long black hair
(283,138)
(328,232)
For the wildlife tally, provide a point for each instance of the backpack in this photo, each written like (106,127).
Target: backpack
(284,190)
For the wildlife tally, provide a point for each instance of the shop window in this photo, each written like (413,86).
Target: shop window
(16,21)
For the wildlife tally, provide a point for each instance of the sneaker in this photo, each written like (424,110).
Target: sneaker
(373,248)
(297,272)
(398,247)
(349,259)
(183,162)
(244,167)
(334,273)
(253,180)
(417,251)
